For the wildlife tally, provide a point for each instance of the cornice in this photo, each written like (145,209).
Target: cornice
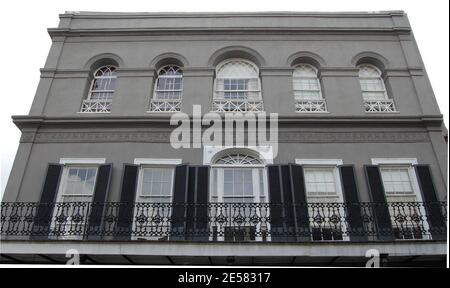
(128,15)
(25,121)
(68,32)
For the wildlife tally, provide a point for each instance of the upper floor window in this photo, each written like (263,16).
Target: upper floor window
(169,84)
(373,90)
(101,90)
(237,87)
(372,85)
(306,83)
(168,90)
(307,92)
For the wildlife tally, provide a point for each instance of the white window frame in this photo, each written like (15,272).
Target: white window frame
(153,163)
(91,88)
(67,164)
(159,76)
(76,162)
(401,163)
(379,77)
(257,77)
(316,78)
(408,163)
(329,163)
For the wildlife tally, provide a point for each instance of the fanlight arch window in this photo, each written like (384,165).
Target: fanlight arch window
(238,159)
(103,84)
(238,177)
(101,91)
(306,83)
(169,84)
(237,79)
(372,84)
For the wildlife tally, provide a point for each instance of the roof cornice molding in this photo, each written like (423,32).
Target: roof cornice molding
(25,121)
(68,32)
(128,15)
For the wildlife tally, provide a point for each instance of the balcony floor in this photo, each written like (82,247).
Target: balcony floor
(401,253)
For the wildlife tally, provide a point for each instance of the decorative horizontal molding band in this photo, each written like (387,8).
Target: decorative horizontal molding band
(284,137)
(68,32)
(209,71)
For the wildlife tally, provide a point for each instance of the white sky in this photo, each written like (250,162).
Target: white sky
(25,42)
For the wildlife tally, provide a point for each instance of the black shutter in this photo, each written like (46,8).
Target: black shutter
(288,208)
(277,229)
(301,205)
(433,208)
(197,204)
(379,206)
(178,223)
(99,201)
(355,227)
(126,206)
(44,213)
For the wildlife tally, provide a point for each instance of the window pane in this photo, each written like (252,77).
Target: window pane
(156,182)
(320,181)
(396,181)
(80,181)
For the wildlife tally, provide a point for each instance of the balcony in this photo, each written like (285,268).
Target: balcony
(224,222)
(310,106)
(237,105)
(165,105)
(96,106)
(379,106)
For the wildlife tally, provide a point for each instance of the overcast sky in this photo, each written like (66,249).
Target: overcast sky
(25,42)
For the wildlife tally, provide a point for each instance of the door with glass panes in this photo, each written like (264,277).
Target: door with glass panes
(238,195)
(153,206)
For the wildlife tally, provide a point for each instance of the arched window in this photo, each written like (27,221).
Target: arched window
(168,90)
(307,92)
(238,159)
(238,86)
(374,91)
(306,83)
(237,79)
(169,84)
(238,177)
(101,90)
(372,85)
(103,84)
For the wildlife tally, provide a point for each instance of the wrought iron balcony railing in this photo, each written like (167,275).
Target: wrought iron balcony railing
(229,222)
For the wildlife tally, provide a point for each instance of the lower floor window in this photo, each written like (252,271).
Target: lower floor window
(77,189)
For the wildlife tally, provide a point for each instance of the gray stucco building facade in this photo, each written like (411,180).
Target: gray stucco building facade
(362,149)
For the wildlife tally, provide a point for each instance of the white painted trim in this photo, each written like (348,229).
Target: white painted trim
(84,161)
(157,161)
(401,161)
(333,162)
(265,153)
